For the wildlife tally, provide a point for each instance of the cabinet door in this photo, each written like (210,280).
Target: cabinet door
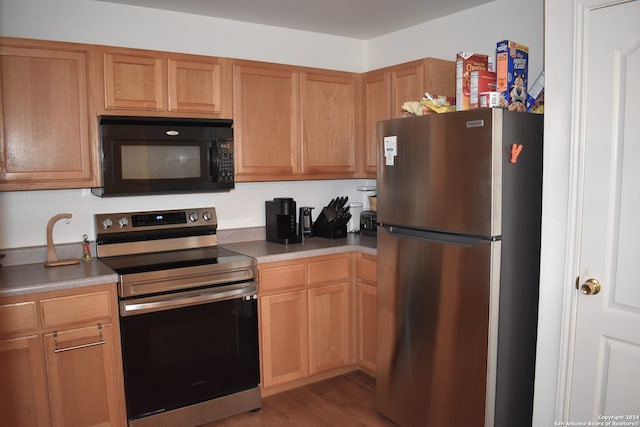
(440,77)
(45,138)
(23,383)
(407,84)
(366,326)
(265,106)
(196,86)
(366,311)
(134,82)
(328,117)
(284,339)
(329,327)
(377,92)
(83,374)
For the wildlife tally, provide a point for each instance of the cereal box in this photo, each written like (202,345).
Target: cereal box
(465,64)
(481,82)
(512,74)
(535,95)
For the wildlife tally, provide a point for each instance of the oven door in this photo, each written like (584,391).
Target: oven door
(175,357)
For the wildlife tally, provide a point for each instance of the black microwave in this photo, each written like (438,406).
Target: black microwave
(151,155)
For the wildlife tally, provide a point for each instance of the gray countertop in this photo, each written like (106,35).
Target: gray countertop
(264,251)
(31,278)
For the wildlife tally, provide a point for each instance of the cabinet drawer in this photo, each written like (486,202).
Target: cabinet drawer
(288,276)
(366,271)
(17,318)
(76,309)
(331,270)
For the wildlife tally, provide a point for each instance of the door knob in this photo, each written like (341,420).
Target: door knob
(590,287)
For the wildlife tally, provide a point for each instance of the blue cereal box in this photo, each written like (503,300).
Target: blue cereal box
(512,63)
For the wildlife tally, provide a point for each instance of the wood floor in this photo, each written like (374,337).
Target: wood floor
(346,400)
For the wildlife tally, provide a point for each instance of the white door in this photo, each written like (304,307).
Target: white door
(605,378)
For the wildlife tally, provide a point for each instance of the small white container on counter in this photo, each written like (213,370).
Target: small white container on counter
(355,209)
(364,191)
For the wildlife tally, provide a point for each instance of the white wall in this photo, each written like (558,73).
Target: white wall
(97,22)
(25,214)
(474,30)
(558,221)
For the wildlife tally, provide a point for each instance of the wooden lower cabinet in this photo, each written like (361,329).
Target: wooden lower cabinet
(305,319)
(23,382)
(329,327)
(83,389)
(65,369)
(366,311)
(366,321)
(285,337)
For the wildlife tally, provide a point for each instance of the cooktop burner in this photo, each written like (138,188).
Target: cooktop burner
(140,263)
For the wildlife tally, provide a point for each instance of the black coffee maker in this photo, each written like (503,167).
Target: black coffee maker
(281,221)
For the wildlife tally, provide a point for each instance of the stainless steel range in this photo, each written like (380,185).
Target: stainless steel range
(188,317)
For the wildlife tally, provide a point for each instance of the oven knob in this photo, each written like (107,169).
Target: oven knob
(193,216)
(206,216)
(123,222)
(107,223)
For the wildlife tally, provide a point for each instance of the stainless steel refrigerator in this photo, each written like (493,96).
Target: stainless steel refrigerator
(459,208)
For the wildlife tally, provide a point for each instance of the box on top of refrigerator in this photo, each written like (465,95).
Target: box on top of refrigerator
(465,64)
(481,82)
(512,68)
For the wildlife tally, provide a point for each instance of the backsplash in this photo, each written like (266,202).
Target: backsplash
(38,254)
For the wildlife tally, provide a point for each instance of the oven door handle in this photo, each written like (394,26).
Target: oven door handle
(247,290)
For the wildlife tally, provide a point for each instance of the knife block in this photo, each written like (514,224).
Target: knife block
(322,227)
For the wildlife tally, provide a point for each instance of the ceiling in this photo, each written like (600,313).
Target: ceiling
(360,19)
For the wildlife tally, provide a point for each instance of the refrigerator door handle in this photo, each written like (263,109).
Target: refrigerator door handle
(455,239)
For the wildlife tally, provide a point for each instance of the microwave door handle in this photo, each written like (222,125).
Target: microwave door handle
(214,162)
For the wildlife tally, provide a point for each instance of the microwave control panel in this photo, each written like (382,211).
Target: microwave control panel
(225,172)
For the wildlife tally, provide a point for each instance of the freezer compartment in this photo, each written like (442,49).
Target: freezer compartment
(433,327)
(456,171)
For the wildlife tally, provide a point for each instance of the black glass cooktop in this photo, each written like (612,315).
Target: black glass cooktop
(130,264)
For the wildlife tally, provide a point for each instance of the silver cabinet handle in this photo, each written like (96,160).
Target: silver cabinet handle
(76,347)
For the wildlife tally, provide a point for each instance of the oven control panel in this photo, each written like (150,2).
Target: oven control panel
(155,220)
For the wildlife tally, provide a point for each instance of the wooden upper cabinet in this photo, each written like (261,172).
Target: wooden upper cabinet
(47,129)
(388,88)
(134,82)
(143,82)
(328,120)
(294,122)
(196,86)
(377,106)
(410,81)
(407,84)
(265,111)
